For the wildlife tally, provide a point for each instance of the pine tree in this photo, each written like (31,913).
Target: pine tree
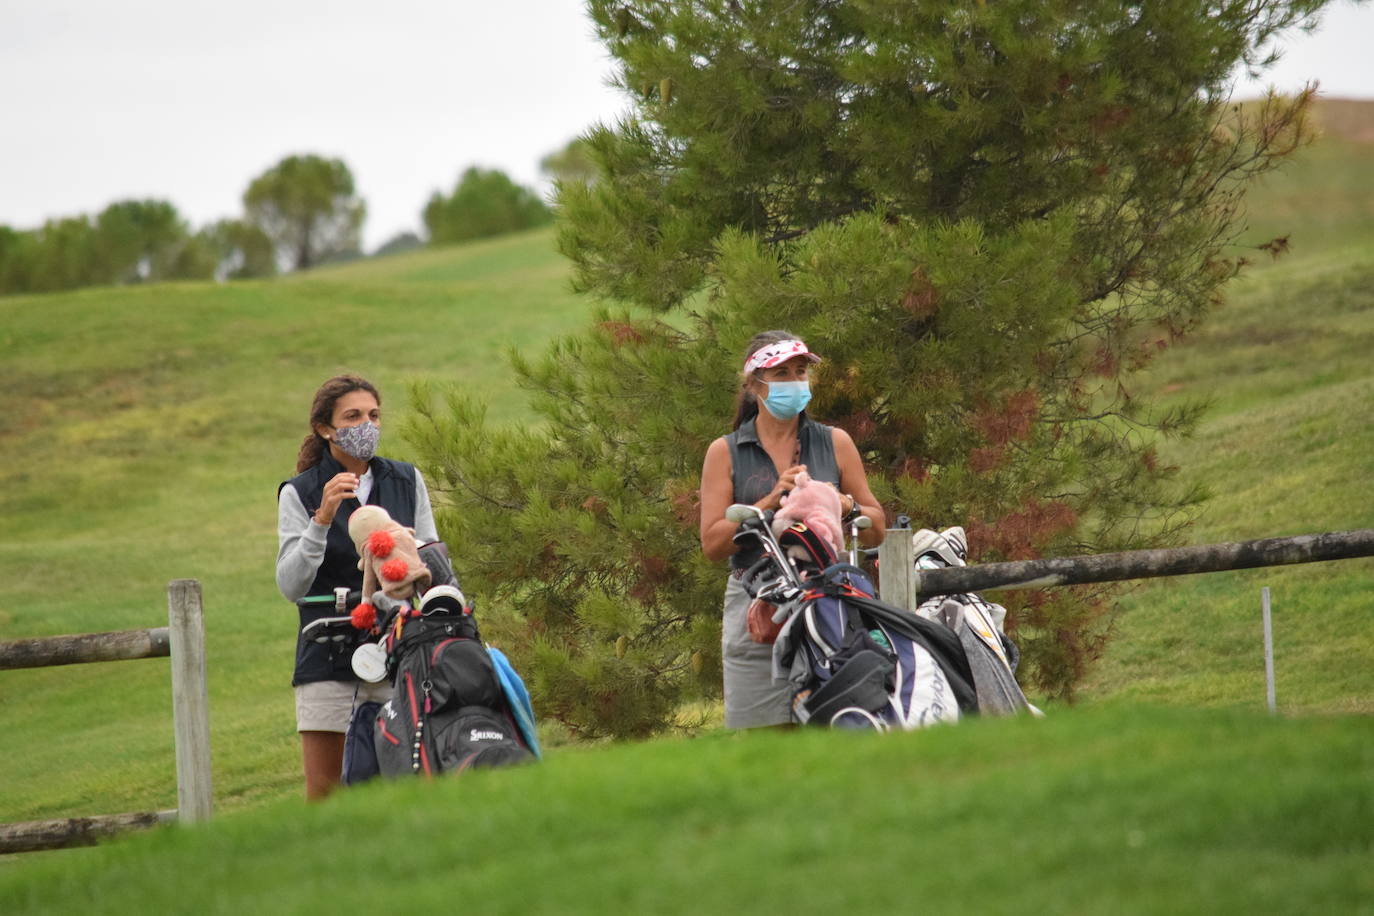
(985,216)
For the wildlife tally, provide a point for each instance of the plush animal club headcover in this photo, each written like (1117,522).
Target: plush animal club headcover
(815,503)
(389,558)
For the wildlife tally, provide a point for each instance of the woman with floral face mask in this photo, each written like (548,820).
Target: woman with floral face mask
(757,463)
(338,470)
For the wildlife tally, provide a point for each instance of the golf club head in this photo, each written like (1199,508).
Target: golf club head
(861,522)
(328,629)
(740,512)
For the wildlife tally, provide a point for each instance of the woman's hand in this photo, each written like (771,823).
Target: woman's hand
(787,481)
(340,487)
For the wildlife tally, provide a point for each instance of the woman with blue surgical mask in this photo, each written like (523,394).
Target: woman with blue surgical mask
(337,471)
(757,463)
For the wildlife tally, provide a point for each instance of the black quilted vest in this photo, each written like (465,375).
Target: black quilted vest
(393,488)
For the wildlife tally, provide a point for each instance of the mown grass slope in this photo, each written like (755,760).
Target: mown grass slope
(148,428)
(1138,811)
(1286,448)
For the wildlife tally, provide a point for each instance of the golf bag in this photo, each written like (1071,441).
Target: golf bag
(856,661)
(455,704)
(992,656)
(451,706)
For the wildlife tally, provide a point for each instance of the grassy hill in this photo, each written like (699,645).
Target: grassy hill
(147,432)
(148,428)
(1321,200)
(1286,448)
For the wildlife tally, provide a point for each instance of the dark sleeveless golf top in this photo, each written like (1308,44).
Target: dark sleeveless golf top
(753,474)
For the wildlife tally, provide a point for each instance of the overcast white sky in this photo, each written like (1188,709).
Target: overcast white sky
(187,101)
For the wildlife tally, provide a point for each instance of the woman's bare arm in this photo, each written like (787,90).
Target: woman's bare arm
(854,482)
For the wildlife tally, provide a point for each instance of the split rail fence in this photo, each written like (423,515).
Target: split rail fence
(905,586)
(901,583)
(183,639)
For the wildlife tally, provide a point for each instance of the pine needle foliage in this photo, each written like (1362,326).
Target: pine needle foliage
(985,215)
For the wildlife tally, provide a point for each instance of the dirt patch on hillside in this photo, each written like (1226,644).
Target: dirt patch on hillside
(1349,119)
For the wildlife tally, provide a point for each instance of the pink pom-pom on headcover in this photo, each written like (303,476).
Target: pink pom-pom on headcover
(364,616)
(380,543)
(818,505)
(394,570)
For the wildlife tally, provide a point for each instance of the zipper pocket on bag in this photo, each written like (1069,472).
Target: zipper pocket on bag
(434,655)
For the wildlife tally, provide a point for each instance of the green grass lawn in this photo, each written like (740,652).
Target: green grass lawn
(1124,811)
(148,429)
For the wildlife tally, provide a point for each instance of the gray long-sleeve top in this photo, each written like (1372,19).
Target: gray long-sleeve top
(301,540)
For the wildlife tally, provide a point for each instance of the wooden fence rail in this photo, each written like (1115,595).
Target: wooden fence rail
(64,833)
(85,647)
(183,639)
(905,586)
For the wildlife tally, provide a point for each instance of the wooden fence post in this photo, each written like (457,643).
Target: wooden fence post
(896,569)
(190,700)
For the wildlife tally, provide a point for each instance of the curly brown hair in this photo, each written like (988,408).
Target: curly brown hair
(322,412)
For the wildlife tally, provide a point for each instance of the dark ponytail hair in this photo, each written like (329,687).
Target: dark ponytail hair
(746,405)
(322,412)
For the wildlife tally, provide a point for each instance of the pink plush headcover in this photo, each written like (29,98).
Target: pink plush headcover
(815,503)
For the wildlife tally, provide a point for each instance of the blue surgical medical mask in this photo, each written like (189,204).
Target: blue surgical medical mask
(359,441)
(787,399)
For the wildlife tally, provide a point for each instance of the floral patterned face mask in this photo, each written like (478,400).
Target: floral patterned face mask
(359,441)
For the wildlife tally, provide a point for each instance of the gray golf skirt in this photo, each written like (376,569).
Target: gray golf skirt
(752,699)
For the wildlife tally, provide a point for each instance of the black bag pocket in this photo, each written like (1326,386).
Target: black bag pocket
(863,676)
(393,739)
(478,736)
(461,674)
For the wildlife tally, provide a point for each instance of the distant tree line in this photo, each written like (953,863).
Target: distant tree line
(301,212)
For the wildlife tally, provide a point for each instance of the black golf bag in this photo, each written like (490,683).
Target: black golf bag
(856,661)
(449,708)
(455,703)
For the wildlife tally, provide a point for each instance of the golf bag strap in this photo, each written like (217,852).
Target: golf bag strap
(836,582)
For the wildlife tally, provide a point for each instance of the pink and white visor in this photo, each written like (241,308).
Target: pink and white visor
(776,353)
